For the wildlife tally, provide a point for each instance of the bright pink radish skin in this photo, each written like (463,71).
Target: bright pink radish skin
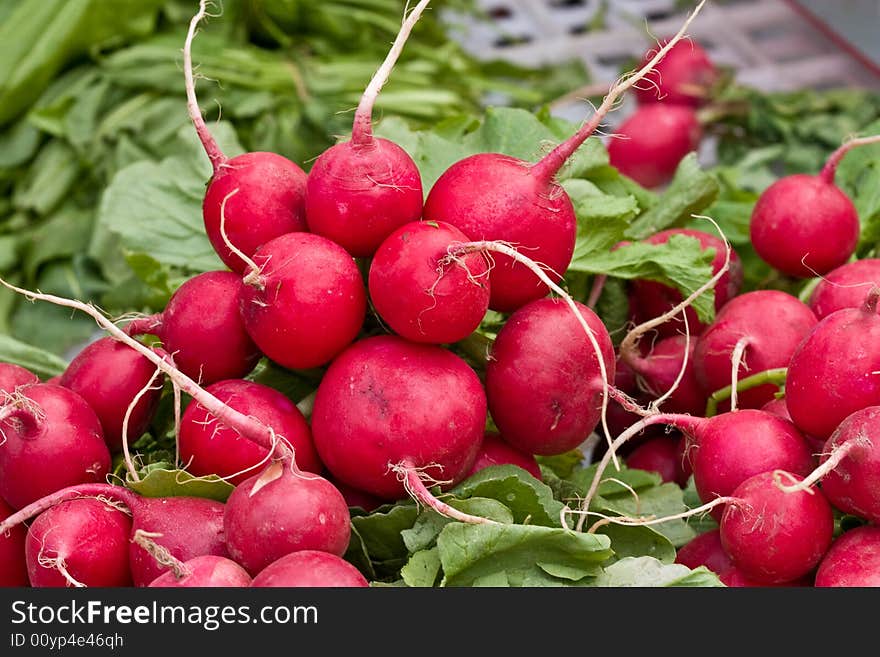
(13,567)
(109,375)
(279,511)
(208,446)
(53,439)
(656,455)
(771,322)
(310,568)
(852,560)
(207,571)
(853,486)
(202,328)
(777,406)
(683,77)
(649,299)
(543,381)
(419,293)
(651,142)
(833,372)
(775,536)
(307,303)
(845,287)
(657,372)
(705,550)
(385,402)
(494,451)
(12,376)
(81,542)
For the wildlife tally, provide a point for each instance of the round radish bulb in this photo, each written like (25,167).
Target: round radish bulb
(280,511)
(310,568)
(705,550)
(683,77)
(13,567)
(658,371)
(650,299)
(543,380)
(774,536)
(656,455)
(777,406)
(202,328)
(386,402)
(494,451)
(53,439)
(852,560)
(203,572)
(833,372)
(210,447)
(651,142)
(308,302)
(772,324)
(420,296)
(109,375)
(79,543)
(12,376)
(804,226)
(845,287)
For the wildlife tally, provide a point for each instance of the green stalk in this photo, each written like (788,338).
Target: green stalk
(774,376)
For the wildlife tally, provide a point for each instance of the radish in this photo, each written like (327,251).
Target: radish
(109,375)
(494,451)
(12,376)
(417,295)
(271,202)
(358,192)
(777,406)
(705,550)
(544,384)
(13,566)
(651,142)
(656,455)
(834,371)
(304,300)
(207,570)
(282,510)
(310,568)
(49,438)
(650,299)
(208,446)
(754,332)
(684,77)
(852,560)
(202,329)
(845,287)
(80,542)
(805,225)
(659,371)
(775,536)
(355,497)
(495,197)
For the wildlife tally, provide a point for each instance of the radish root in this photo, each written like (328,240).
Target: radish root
(414,478)
(160,553)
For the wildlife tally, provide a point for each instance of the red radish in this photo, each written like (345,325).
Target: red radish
(306,303)
(109,376)
(659,371)
(763,328)
(651,299)
(834,371)
(777,406)
(282,510)
(355,497)
(775,536)
(202,329)
(272,188)
(495,197)
(310,568)
(852,560)
(12,376)
(705,550)
(805,225)
(494,451)
(385,402)
(651,142)
(81,542)
(845,287)
(543,381)
(208,446)
(203,572)
(51,438)
(656,455)
(358,192)
(420,296)
(13,567)
(683,77)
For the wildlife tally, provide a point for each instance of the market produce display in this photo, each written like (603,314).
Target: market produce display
(458,347)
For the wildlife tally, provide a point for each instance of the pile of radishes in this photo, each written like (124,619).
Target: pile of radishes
(354,270)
